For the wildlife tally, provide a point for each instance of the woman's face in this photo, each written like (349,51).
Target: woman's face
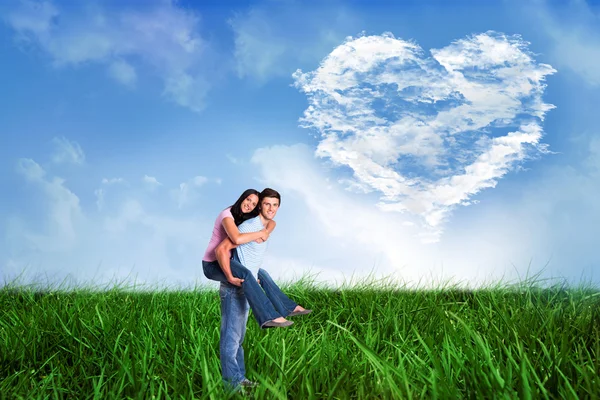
(249,203)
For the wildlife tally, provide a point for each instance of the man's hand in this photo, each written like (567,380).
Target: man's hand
(235,281)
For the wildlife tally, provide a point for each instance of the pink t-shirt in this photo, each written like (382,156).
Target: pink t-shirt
(217,236)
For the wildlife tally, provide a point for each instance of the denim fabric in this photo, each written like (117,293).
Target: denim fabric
(234,314)
(261,305)
(283,304)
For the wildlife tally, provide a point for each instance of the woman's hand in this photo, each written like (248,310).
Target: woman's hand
(265,235)
(235,281)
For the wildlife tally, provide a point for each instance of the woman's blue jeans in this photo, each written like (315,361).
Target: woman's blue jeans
(266,305)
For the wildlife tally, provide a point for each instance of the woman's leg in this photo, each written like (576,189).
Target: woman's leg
(261,306)
(283,304)
(213,272)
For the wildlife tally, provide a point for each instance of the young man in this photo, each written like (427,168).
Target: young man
(242,286)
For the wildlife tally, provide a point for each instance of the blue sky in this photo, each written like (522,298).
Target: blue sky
(429,140)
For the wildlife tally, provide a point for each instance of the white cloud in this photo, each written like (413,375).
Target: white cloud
(573,29)
(67,151)
(33,16)
(341,235)
(163,36)
(64,210)
(123,72)
(187,191)
(99,193)
(232,159)
(151,182)
(427,133)
(267,43)
(112,181)
(30,169)
(321,229)
(132,240)
(325,229)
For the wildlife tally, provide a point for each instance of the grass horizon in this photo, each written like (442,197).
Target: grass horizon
(529,339)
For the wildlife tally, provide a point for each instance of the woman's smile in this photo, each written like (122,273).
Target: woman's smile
(249,203)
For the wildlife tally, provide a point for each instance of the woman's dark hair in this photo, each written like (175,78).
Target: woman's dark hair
(236,208)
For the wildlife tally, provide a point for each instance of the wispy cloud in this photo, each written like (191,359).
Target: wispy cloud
(187,191)
(268,43)
(151,182)
(123,72)
(30,169)
(130,240)
(232,159)
(67,151)
(326,227)
(574,28)
(100,193)
(427,132)
(64,210)
(162,36)
(113,181)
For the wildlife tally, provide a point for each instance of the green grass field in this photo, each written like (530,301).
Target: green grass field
(365,341)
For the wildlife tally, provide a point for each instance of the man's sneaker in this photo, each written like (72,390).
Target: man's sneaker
(248,383)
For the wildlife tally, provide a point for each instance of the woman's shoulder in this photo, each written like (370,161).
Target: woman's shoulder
(225,213)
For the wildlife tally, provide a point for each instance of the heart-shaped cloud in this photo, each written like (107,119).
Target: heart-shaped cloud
(427,132)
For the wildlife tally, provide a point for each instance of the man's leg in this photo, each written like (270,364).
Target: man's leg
(234,314)
(242,302)
(283,304)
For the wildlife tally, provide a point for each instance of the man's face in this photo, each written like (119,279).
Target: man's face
(269,207)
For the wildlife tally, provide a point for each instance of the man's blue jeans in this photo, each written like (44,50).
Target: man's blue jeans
(234,314)
(266,305)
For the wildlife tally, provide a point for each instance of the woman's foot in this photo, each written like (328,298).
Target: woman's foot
(299,310)
(277,322)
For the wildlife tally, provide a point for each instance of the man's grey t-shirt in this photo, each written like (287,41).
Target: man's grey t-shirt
(251,254)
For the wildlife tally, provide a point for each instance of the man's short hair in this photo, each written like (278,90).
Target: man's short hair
(268,192)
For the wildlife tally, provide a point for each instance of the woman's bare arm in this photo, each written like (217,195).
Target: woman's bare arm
(270,226)
(223,254)
(238,238)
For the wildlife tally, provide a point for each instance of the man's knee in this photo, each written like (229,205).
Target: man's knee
(241,271)
(263,274)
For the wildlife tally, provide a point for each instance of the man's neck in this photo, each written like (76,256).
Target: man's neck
(263,220)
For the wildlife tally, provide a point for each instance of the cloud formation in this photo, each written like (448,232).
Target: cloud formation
(573,29)
(64,211)
(188,190)
(67,151)
(267,43)
(427,133)
(161,36)
(128,237)
(151,182)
